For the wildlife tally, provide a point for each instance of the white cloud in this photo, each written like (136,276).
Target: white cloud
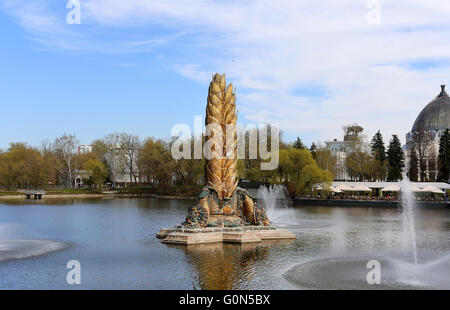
(271,48)
(193,72)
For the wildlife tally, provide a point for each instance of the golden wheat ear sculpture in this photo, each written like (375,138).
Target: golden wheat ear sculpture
(221,111)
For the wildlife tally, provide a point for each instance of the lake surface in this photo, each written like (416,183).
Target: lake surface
(114,241)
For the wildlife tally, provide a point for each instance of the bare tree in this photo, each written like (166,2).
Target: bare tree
(130,146)
(422,142)
(114,156)
(325,159)
(47,146)
(67,161)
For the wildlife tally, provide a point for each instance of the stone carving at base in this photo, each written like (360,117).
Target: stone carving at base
(235,211)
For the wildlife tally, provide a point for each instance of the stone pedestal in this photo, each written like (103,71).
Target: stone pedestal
(240,235)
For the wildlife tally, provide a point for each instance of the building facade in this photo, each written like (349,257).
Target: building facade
(426,133)
(122,165)
(84,149)
(341,149)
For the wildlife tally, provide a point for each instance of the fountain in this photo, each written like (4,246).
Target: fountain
(399,269)
(407,203)
(224,212)
(272,198)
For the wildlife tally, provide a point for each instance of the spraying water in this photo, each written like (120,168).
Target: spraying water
(408,202)
(272,198)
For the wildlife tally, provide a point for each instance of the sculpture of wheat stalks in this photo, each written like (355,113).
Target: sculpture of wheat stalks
(221,110)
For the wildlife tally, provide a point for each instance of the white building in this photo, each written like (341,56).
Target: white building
(84,149)
(341,149)
(119,164)
(124,167)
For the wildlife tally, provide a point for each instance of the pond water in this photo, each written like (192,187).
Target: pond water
(114,241)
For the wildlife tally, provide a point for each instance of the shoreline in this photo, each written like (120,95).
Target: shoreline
(364,203)
(91,196)
(297,202)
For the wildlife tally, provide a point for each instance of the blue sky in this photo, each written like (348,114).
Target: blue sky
(143,66)
(46,91)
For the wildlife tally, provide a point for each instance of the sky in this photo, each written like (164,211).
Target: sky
(142,66)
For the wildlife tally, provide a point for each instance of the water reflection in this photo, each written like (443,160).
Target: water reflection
(222,266)
(114,239)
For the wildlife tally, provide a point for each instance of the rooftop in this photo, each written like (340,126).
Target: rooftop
(436,115)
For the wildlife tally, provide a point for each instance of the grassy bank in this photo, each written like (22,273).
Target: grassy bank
(179,190)
(3,194)
(71,191)
(175,191)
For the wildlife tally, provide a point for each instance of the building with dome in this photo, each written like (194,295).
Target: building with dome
(435,117)
(432,121)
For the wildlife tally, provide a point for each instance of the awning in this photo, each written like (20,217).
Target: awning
(328,188)
(344,188)
(335,190)
(391,188)
(432,189)
(361,188)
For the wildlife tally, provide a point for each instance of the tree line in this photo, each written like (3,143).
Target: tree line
(373,161)
(127,159)
(359,159)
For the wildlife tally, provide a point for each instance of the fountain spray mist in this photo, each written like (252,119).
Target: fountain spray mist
(272,197)
(408,202)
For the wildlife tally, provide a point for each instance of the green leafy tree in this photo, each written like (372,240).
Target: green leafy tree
(156,162)
(300,172)
(50,163)
(97,171)
(22,167)
(396,159)
(100,150)
(357,164)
